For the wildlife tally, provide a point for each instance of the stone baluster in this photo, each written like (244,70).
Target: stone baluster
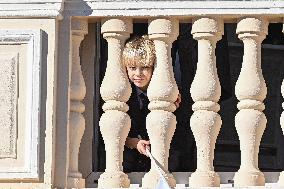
(79,28)
(250,90)
(115,91)
(281,178)
(205,92)
(162,93)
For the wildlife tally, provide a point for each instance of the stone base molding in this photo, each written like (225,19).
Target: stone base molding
(204,179)
(152,178)
(281,179)
(245,177)
(114,180)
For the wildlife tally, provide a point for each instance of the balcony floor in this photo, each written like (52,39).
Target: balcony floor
(182,180)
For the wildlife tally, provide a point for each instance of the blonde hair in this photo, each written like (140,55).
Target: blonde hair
(139,51)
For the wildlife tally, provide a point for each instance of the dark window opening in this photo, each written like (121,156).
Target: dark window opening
(229,54)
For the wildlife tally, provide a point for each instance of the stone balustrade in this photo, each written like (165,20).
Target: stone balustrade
(115,91)
(251,90)
(45,101)
(79,28)
(162,93)
(205,92)
(205,122)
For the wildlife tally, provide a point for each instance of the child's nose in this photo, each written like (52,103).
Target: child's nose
(138,71)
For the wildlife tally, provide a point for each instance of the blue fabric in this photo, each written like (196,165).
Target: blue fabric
(162,184)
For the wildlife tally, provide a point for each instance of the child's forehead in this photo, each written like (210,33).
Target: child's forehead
(139,66)
(138,63)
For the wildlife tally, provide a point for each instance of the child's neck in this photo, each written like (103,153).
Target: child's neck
(144,89)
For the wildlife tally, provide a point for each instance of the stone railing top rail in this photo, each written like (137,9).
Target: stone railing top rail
(184,10)
(181,9)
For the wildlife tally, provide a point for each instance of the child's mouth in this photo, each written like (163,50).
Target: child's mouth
(138,80)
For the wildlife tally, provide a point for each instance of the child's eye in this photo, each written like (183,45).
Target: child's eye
(146,67)
(132,68)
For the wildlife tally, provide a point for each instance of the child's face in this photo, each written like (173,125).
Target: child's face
(140,75)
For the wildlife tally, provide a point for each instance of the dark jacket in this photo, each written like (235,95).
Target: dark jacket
(133,161)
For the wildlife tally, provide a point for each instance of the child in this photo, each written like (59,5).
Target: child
(139,57)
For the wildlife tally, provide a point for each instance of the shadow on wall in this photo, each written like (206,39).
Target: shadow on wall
(43,94)
(61,168)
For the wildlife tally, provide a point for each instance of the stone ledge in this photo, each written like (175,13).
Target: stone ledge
(181,186)
(231,9)
(31,8)
(182,179)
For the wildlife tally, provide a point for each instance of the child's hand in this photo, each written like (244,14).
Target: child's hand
(142,145)
(177,102)
(131,142)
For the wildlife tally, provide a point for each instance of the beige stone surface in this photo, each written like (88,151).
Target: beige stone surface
(8,97)
(160,127)
(205,91)
(14,92)
(250,126)
(162,93)
(251,84)
(77,93)
(87,65)
(282,115)
(184,9)
(115,122)
(281,177)
(251,90)
(47,124)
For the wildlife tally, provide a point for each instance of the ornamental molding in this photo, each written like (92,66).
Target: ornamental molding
(31,8)
(24,164)
(230,9)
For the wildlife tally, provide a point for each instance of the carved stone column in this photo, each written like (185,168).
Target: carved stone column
(281,178)
(77,93)
(162,93)
(115,91)
(250,90)
(206,91)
